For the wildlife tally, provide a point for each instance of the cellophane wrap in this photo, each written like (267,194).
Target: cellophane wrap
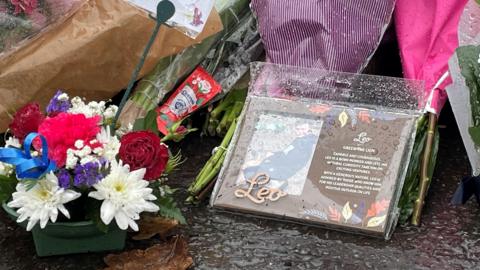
(458,92)
(22,20)
(335,145)
(238,39)
(91,53)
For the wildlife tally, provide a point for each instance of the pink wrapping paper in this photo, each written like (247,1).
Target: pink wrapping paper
(427,37)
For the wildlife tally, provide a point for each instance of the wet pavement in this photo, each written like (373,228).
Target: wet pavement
(449,237)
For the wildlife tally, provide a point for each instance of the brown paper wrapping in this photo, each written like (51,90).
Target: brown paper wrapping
(92,54)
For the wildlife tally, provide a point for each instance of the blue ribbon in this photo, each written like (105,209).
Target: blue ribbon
(27,166)
(468,187)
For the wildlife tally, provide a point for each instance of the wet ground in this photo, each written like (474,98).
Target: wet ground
(449,237)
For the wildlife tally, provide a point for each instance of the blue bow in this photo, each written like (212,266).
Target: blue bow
(27,166)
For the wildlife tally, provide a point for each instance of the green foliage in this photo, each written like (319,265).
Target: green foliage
(147,123)
(412,179)
(173,162)
(468,60)
(7,187)
(166,203)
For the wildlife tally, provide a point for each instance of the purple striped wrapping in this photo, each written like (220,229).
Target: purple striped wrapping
(339,35)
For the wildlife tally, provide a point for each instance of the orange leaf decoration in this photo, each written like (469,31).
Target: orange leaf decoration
(320,108)
(172,255)
(333,214)
(364,116)
(378,207)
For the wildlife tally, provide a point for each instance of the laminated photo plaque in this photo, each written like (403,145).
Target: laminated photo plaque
(321,147)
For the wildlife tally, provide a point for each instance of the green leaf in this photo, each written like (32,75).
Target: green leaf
(139,124)
(173,162)
(166,203)
(169,209)
(151,121)
(478,1)
(475,134)
(7,187)
(92,209)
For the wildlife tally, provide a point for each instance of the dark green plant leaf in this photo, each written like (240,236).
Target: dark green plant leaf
(166,203)
(92,210)
(7,187)
(151,121)
(139,124)
(412,178)
(169,209)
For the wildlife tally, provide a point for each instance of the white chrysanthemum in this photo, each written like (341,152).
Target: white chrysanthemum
(13,142)
(111,144)
(42,202)
(125,195)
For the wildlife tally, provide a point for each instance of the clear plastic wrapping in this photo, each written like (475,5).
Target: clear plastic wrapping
(21,20)
(323,148)
(459,93)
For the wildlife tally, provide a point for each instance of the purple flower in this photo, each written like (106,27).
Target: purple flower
(63,178)
(87,174)
(59,103)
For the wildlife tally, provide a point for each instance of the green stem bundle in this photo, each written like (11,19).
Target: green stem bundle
(213,165)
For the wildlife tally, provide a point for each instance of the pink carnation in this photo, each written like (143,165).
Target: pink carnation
(63,130)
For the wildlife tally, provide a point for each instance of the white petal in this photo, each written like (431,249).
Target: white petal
(54,215)
(43,222)
(96,195)
(64,211)
(137,174)
(122,220)
(133,225)
(151,207)
(107,212)
(31,224)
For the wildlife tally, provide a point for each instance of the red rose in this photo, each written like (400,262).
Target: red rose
(143,149)
(26,120)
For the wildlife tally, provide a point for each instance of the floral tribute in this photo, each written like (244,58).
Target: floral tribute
(23,19)
(68,163)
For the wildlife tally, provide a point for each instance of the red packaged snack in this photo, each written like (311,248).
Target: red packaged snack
(193,93)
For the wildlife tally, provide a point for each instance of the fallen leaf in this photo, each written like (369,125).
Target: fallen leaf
(172,255)
(347,211)
(343,118)
(376,221)
(333,214)
(377,207)
(153,225)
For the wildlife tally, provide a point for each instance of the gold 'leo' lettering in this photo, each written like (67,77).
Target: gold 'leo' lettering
(263,194)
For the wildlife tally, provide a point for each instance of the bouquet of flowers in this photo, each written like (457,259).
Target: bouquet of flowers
(70,164)
(22,19)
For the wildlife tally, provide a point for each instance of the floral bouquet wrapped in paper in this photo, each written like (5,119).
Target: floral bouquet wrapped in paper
(23,19)
(68,166)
